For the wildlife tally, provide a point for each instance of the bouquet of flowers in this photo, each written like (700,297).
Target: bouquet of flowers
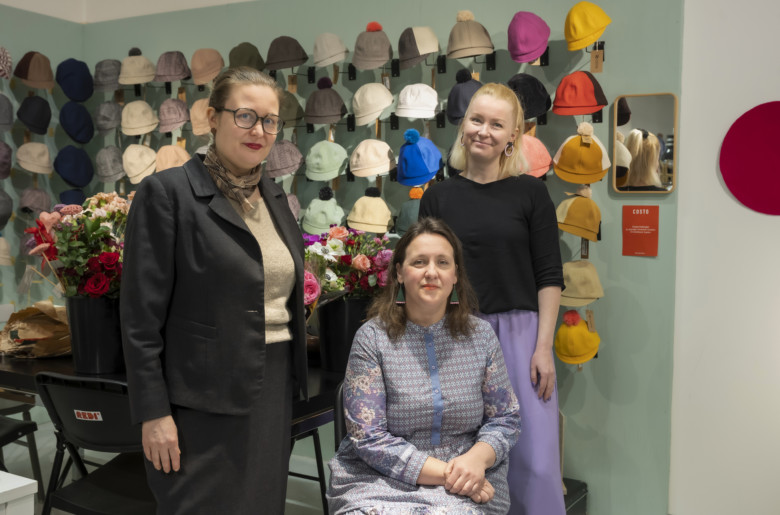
(82,245)
(345,262)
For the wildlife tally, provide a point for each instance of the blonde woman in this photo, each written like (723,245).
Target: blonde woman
(506,222)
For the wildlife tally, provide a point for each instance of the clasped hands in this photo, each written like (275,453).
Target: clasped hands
(464,475)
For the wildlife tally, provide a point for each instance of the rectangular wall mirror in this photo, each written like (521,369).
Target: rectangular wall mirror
(645,147)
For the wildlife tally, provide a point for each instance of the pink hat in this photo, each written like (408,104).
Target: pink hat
(528,37)
(537,155)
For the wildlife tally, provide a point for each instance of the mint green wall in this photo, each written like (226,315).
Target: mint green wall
(618,407)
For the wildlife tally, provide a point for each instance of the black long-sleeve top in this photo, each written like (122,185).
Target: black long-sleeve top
(509,233)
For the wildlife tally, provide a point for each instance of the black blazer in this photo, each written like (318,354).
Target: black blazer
(192,306)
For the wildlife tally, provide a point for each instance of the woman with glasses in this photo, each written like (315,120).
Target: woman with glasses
(506,222)
(212,314)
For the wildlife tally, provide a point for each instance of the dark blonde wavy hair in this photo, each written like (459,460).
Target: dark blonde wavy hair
(393,315)
(240,76)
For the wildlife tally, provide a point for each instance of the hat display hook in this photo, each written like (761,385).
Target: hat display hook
(598,45)
(489,62)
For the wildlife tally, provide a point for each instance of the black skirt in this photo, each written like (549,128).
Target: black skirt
(233,464)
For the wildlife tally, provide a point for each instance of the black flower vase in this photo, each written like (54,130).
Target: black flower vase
(95,336)
(339,321)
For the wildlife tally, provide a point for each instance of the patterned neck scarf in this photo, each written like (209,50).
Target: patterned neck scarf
(232,186)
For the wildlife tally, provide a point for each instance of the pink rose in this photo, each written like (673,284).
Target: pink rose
(311,288)
(381,277)
(383,258)
(338,233)
(361,263)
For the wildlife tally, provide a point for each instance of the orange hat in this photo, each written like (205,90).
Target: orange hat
(537,155)
(581,216)
(584,25)
(581,159)
(579,93)
(574,343)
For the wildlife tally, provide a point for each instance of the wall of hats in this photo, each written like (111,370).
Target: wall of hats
(373,97)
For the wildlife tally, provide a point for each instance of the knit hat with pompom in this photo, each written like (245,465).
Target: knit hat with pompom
(372,48)
(468,38)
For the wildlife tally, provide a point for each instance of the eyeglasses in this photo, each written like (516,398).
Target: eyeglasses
(247,118)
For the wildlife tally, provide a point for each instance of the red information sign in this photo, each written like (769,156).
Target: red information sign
(640,231)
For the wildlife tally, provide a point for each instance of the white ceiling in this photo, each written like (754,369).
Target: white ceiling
(91,11)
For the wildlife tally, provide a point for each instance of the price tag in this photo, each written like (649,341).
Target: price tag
(584,248)
(475,75)
(597,61)
(386,80)
(538,62)
(589,319)
(182,94)
(119,96)
(335,74)
(292,83)
(332,133)
(182,142)
(378,129)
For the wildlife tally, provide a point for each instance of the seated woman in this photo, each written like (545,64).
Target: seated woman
(429,409)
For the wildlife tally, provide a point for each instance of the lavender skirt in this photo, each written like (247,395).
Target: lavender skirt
(534,462)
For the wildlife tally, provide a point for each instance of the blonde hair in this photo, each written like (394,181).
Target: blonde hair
(645,152)
(515,164)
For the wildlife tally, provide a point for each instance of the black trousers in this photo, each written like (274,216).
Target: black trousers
(233,464)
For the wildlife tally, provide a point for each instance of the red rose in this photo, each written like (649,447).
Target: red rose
(364,283)
(97,285)
(93,264)
(109,259)
(346,259)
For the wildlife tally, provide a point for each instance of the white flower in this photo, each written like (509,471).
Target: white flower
(336,246)
(330,275)
(322,250)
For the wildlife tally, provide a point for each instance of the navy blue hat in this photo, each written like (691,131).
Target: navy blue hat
(74,196)
(75,80)
(35,113)
(74,166)
(77,122)
(460,96)
(418,160)
(532,95)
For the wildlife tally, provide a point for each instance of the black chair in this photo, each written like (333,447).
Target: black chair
(25,427)
(339,427)
(94,414)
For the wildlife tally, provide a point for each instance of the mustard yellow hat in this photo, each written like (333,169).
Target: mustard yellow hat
(582,159)
(574,344)
(580,216)
(584,25)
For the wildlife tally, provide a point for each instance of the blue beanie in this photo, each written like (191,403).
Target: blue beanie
(77,122)
(75,80)
(418,160)
(74,196)
(74,166)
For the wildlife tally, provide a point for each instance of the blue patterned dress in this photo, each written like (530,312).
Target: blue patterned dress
(425,394)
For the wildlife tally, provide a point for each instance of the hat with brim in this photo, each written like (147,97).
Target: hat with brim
(138,161)
(369,101)
(415,45)
(584,25)
(285,52)
(171,156)
(325,161)
(417,101)
(34,157)
(579,93)
(138,118)
(206,63)
(34,69)
(579,216)
(109,164)
(582,284)
(136,69)
(284,159)
(34,200)
(536,154)
(371,157)
(198,118)
(581,159)
(329,49)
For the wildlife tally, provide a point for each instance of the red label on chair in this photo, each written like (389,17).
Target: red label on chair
(93,416)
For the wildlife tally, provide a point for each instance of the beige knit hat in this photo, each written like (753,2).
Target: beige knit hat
(371,157)
(468,38)
(34,157)
(171,156)
(206,63)
(138,161)
(582,284)
(328,49)
(138,118)
(370,213)
(369,101)
(200,122)
(136,69)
